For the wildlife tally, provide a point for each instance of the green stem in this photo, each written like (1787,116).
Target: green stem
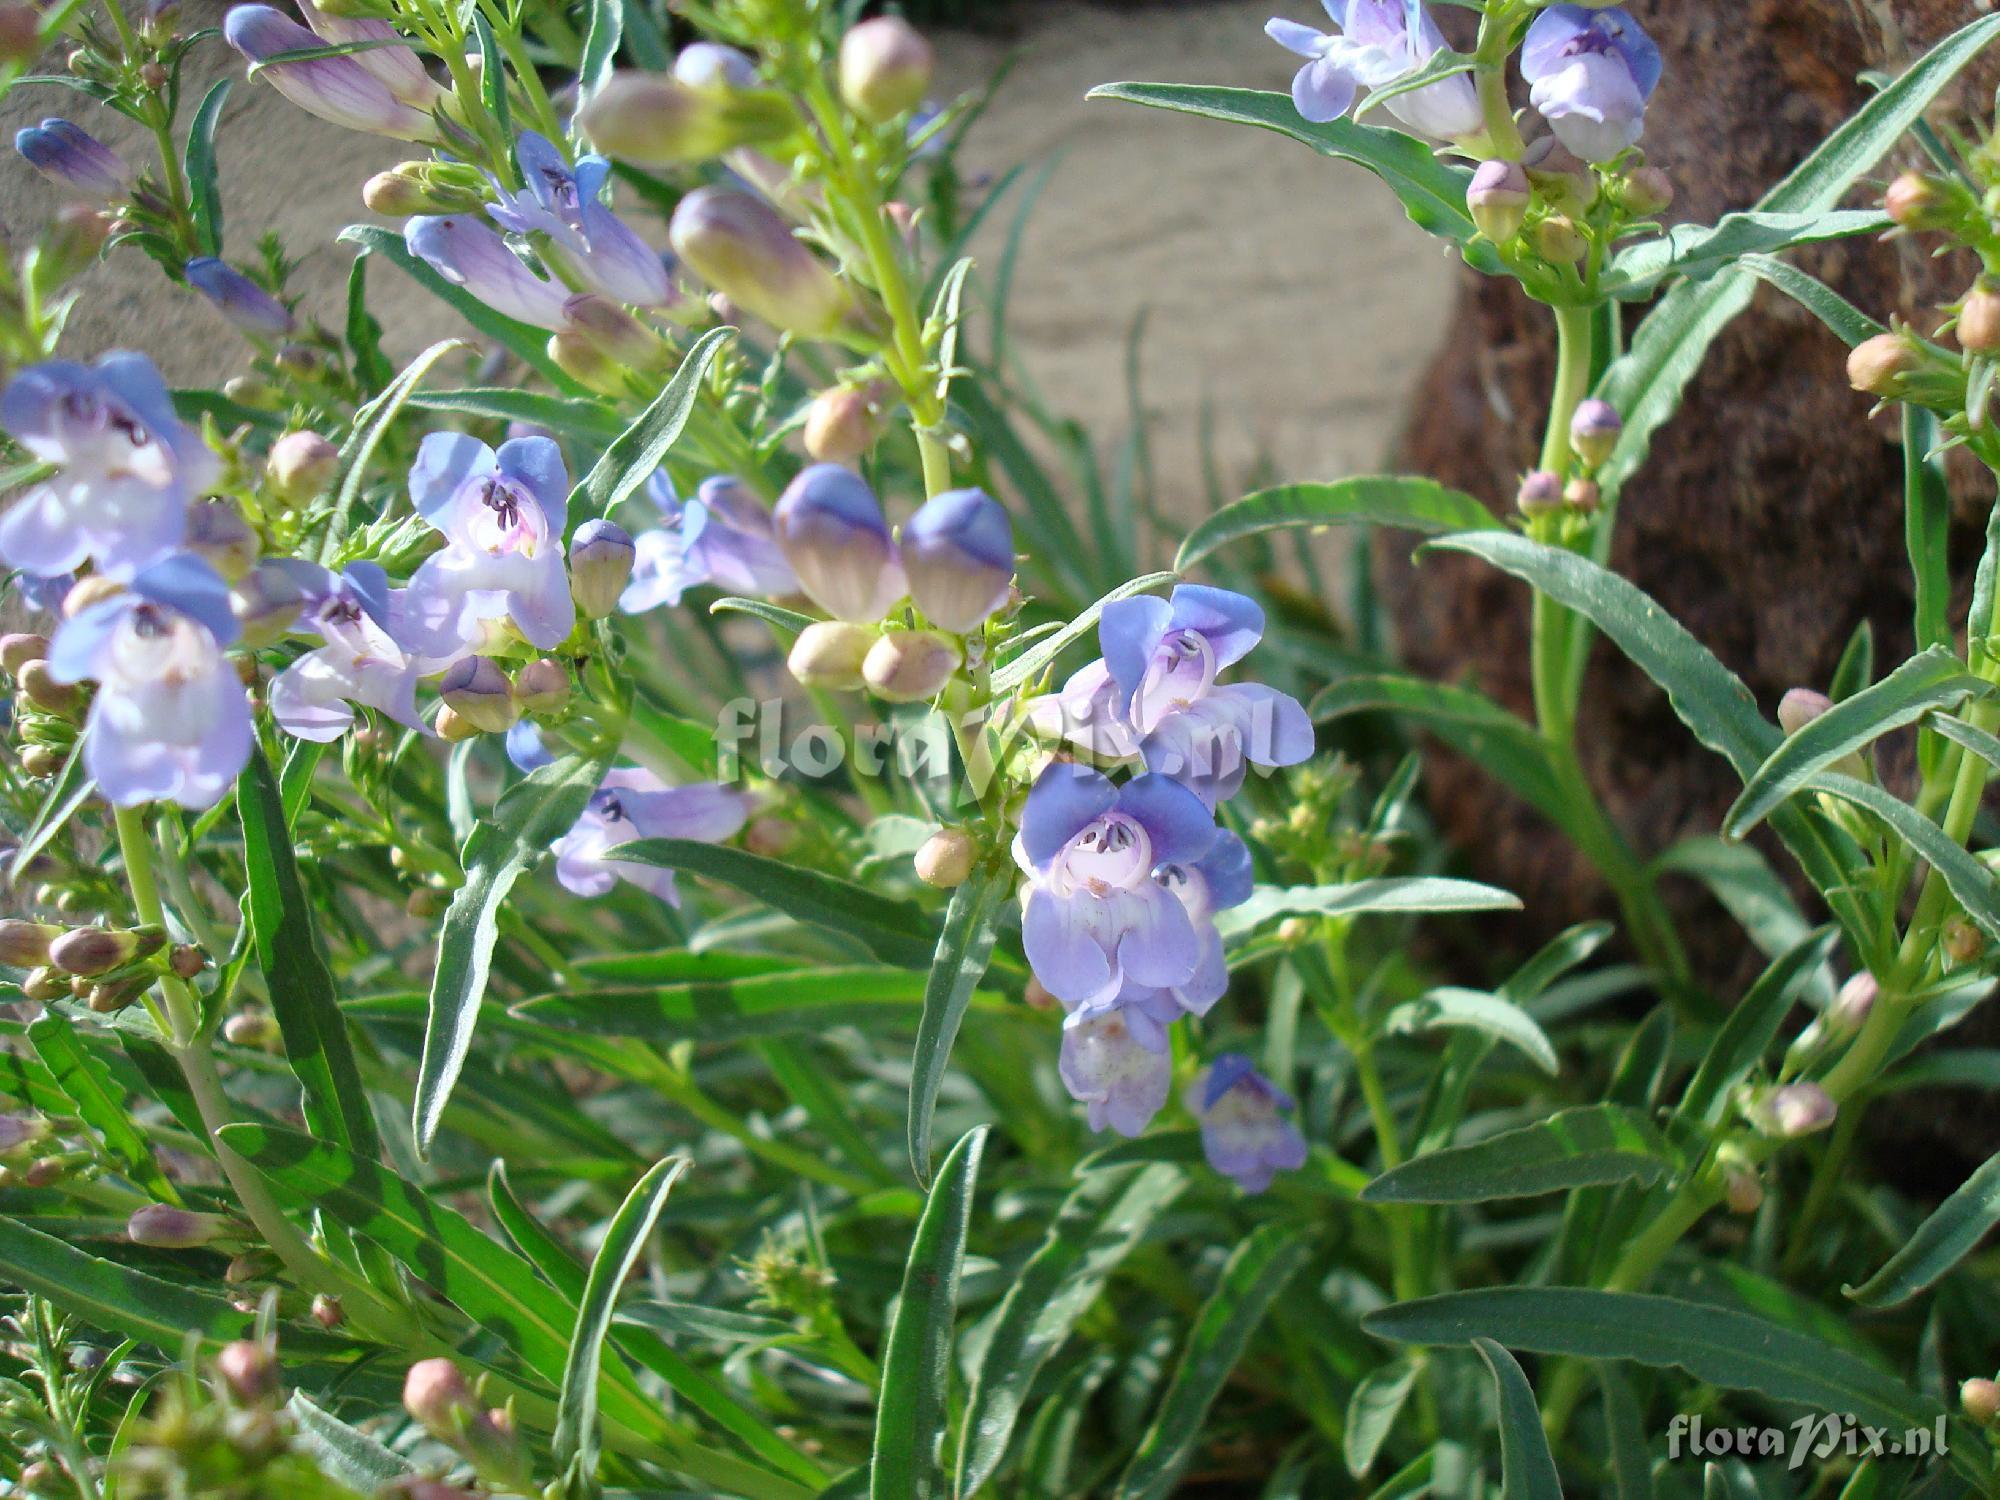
(1489,72)
(1573,341)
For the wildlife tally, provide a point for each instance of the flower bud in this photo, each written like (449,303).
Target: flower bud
(1594,429)
(1882,365)
(1498,198)
(25,944)
(842,424)
(1295,930)
(90,951)
(1852,1004)
(945,858)
(1583,495)
(1916,201)
(424,187)
(1559,242)
(607,329)
(361,91)
(1980,1401)
(710,65)
(1561,176)
(578,356)
(452,727)
(20,648)
(1540,493)
(958,554)
(542,687)
(1792,1110)
(829,525)
(475,689)
(1962,941)
(220,537)
(239,299)
(42,690)
(300,467)
(17,1131)
(1799,707)
(327,1312)
(885,68)
(1979,321)
(436,1396)
(1742,1188)
(249,1371)
(165,1227)
(910,666)
(1646,191)
(267,602)
(828,654)
(656,120)
(71,157)
(740,247)
(186,960)
(254,1029)
(600,565)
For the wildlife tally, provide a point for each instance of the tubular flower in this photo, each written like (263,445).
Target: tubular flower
(1592,72)
(1244,1130)
(592,241)
(468,252)
(361,661)
(343,89)
(722,537)
(636,804)
(1373,44)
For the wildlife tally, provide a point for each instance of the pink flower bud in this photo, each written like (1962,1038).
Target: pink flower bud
(300,467)
(1540,493)
(910,666)
(542,687)
(945,858)
(1851,1006)
(248,1370)
(1792,1110)
(1594,430)
(478,692)
(740,247)
(828,654)
(885,68)
(165,1227)
(1799,707)
(1497,198)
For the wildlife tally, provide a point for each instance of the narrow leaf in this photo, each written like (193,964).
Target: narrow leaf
(1418,893)
(204,191)
(1593,1145)
(1527,1471)
(1452,1008)
(1940,1242)
(637,454)
(963,950)
(1406,503)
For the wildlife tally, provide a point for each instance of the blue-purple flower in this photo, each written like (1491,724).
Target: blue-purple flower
(1373,45)
(1592,72)
(170,720)
(722,537)
(1245,1132)
(376,91)
(126,467)
(501,515)
(238,298)
(361,660)
(830,527)
(1118,1074)
(635,804)
(592,241)
(468,252)
(72,158)
(958,552)
(1095,918)
(1153,693)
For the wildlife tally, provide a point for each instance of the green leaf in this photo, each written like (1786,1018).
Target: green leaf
(1698,251)
(1527,1471)
(964,949)
(204,191)
(1256,1273)
(1927,525)
(887,928)
(1971,737)
(1102,1220)
(1432,193)
(492,74)
(1717,1345)
(1965,875)
(1752,1026)
(1025,668)
(575,1440)
(364,338)
(637,454)
(100,1103)
(69,791)
(791,621)
(1416,893)
(600,46)
(589,420)
(1939,1243)
(732,1009)
(1625,1435)
(342,1452)
(1932,679)
(1407,503)
(371,425)
(1742,880)
(303,996)
(1593,1145)
(532,815)
(910,1414)
(1450,1008)
(1372,1412)
(1848,322)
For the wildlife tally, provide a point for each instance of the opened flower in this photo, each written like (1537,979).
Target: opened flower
(635,804)
(722,537)
(593,243)
(1119,1073)
(361,662)
(1592,72)
(1373,45)
(1245,1130)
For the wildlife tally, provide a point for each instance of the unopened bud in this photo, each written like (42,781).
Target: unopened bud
(1980,1401)
(1852,1004)
(613,334)
(741,247)
(1742,1189)
(1646,191)
(1559,242)
(251,1265)
(1295,930)
(248,1370)
(1979,321)
(1540,493)
(477,691)
(1583,495)
(452,727)
(658,120)
(90,951)
(436,1396)
(17,1131)
(218,534)
(300,466)
(958,555)
(267,602)
(114,995)
(252,1029)
(327,1312)
(945,858)
(245,304)
(600,565)
(1792,1110)
(186,960)
(842,424)
(1915,201)
(1497,198)
(828,654)
(831,529)
(542,687)
(1963,942)
(885,68)
(165,1227)
(910,666)
(1594,430)
(1799,707)
(578,356)
(20,648)
(46,983)
(25,944)
(1882,365)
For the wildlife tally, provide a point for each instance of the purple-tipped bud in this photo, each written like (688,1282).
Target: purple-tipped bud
(72,158)
(89,951)
(469,253)
(600,565)
(220,537)
(1498,198)
(341,89)
(239,299)
(25,944)
(1541,493)
(709,65)
(249,1371)
(885,68)
(327,1312)
(475,689)
(654,120)
(542,687)
(1594,430)
(945,858)
(1799,707)
(1793,1109)
(17,1131)
(740,247)
(842,424)
(958,553)
(300,467)
(1852,1005)
(829,525)
(828,654)
(267,602)
(910,666)
(614,333)
(165,1227)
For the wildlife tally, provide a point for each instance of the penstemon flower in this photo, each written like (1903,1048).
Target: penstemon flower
(357,89)
(636,804)
(722,537)
(361,661)
(468,252)
(126,467)
(1373,45)
(238,298)
(1592,71)
(593,243)
(1244,1130)
(501,515)
(170,720)
(830,527)
(1119,1072)
(74,159)
(958,551)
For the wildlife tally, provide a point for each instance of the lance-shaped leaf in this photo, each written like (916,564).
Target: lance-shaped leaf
(963,950)
(1451,1008)
(99,1102)
(1527,1471)
(1752,1026)
(1418,893)
(637,454)
(1932,679)
(1020,670)
(1698,251)
(69,791)
(342,1452)
(725,1009)
(1940,1242)
(530,816)
(1372,1412)
(1407,503)
(1592,1145)
(1964,874)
